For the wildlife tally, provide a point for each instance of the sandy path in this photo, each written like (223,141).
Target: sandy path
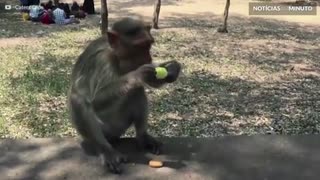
(11,42)
(238,7)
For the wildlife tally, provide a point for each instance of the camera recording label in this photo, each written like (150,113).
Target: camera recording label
(9,7)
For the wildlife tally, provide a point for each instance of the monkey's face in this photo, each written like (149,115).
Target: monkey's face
(137,43)
(131,40)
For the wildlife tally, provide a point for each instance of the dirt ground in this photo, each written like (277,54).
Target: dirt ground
(172,8)
(237,8)
(178,8)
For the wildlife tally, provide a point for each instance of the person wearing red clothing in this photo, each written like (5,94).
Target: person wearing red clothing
(47,17)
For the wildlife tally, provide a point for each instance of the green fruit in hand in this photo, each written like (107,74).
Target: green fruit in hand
(161,72)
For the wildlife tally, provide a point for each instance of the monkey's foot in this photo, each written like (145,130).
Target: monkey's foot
(89,148)
(112,161)
(150,143)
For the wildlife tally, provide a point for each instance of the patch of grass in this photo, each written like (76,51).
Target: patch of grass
(236,83)
(34,84)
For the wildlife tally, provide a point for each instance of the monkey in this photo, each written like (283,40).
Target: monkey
(107,93)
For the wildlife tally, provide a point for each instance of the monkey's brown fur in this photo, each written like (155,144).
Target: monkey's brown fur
(107,93)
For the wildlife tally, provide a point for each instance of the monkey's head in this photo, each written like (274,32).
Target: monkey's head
(131,41)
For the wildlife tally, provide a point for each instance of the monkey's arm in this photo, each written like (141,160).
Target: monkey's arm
(111,92)
(112,89)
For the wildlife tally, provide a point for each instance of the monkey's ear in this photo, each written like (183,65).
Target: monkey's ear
(113,38)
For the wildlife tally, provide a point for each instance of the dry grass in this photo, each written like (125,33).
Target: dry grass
(261,78)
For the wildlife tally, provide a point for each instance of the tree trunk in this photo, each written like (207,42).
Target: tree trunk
(88,6)
(224,29)
(104,17)
(156,13)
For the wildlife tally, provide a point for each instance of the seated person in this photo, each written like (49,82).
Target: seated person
(66,9)
(47,17)
(75,6)
(43,5)
(35,13)
(49,5)
(76,11)
(60,16)
(24,2)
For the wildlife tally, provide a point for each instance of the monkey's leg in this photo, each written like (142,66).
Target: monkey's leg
(113,140)
(89,126)
(89,148)
(145,140)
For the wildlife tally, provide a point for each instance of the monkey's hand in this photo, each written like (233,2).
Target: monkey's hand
(112,161)
(150,143)
(173,68)
(147,74)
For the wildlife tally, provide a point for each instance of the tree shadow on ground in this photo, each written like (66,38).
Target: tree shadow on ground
(205,101)
(255,157)
(42,89)
(260,157)
(46,75)
(255,91)
(205,104)
(287,103)
(63,158)
(270,44)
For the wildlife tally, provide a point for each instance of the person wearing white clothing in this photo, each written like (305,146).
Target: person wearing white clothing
(35,12)
(60,16)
